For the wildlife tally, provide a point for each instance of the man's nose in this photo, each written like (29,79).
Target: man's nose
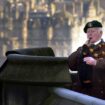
(90,35)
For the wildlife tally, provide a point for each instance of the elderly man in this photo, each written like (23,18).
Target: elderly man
(89,61)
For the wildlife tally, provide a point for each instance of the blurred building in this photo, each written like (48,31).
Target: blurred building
(55,23)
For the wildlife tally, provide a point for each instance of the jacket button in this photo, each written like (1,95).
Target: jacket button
(100,80)
(102,92)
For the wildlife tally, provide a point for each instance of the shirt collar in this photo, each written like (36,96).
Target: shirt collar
(97,42)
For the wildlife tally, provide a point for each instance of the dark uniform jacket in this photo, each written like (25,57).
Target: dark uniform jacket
(95,74)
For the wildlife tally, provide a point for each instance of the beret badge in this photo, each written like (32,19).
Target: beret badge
(89,24)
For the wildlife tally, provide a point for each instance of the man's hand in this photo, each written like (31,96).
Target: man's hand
(90,61)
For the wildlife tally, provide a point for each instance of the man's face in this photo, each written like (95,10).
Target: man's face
(94,34)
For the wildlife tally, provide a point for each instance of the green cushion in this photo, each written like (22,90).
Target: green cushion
(44,51)
(47,69)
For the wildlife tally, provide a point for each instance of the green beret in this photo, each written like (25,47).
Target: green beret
(92,24)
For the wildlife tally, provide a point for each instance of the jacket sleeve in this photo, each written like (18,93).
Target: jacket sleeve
(73,60)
